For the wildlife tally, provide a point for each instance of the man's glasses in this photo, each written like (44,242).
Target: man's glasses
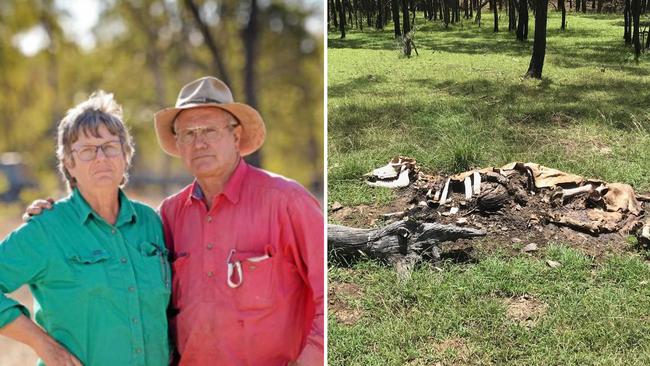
(110,149)
(187,136)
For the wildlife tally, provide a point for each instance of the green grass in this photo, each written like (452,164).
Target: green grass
(594,313)
(463,102)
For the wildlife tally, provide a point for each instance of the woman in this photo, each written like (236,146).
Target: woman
(96,263)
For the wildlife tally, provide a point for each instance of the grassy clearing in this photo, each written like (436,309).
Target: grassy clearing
(463,103)
(501,311)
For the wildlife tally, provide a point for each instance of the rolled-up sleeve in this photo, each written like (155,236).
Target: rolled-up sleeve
(22,261)
(307,228)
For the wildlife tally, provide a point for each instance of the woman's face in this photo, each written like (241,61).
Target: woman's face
(106,169)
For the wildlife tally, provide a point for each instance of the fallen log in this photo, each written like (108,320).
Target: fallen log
(402,243)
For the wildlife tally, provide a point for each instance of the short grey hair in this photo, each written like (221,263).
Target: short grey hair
(86,117)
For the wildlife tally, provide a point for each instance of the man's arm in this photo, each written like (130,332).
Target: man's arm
(307,229)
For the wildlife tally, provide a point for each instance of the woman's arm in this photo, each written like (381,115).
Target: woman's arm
(24,330)
(24,259)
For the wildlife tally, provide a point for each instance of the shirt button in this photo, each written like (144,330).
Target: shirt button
(251,268)
(123,260)
(131,289)
(113,231)
(209,218)
(210,246)
(138,350)
(210,274)
(135,320)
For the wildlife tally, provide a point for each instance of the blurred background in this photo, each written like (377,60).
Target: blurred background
(55,53)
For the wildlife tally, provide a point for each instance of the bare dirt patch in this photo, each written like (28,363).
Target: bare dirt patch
(338,295)
(525,310)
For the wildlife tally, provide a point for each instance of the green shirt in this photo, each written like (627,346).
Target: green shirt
(100,290)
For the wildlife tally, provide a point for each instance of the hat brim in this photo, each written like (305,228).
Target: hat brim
(253,128)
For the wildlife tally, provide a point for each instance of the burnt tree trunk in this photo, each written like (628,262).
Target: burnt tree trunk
(539,45)
(401,243)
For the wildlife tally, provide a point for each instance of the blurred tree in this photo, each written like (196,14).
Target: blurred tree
(144,51)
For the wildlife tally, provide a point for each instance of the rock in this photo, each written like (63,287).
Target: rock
(336,206)
(532,247)
(461,221)
(553,264)
(516,240)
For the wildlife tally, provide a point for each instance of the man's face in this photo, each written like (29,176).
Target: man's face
(207,142)
(97,168)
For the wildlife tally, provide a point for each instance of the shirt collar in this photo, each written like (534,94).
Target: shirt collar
(232,189)
(126,215)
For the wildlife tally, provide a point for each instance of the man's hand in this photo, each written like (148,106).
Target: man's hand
(37,207)
(53,354)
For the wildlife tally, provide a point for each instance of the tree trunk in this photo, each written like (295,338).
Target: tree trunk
(636,11)
(435,9)
(563,9)
(339,6)
(403,243)
(496,15)
(332,14)
(395,10)
(627,26)
(522,26)
(219,65)
(380,15)
(512,16)
(249,35)
(405,17)
(539,45)
(445,4)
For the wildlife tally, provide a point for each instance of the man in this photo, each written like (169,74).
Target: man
(246,245)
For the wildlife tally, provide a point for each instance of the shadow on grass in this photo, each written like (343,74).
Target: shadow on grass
(526,102)
(592,46)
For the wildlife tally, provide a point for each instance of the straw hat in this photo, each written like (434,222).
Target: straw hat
(209,91)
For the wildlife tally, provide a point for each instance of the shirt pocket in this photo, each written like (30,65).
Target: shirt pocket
(256,284)
(155,267)
(90,270)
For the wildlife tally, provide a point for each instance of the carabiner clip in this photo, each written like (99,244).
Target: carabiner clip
(231,269)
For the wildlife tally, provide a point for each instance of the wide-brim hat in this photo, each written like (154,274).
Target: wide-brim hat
(210,92)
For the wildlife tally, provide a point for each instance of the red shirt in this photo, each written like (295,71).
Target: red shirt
(266,307)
